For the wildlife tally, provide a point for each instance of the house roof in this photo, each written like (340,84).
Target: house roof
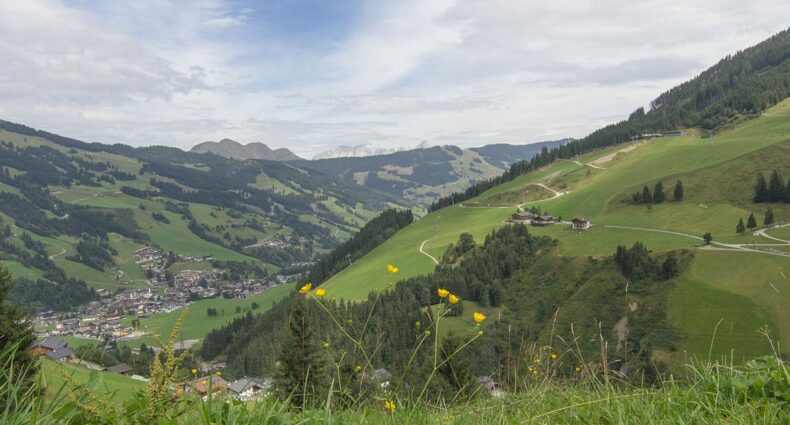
(245,383)
(580,220)
(217,383)
(60,353)
(51,343)
(545,218)
(119,368)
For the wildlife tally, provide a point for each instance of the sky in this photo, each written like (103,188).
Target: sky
(310,75)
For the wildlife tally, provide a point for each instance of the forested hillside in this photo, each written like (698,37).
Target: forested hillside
(73,213)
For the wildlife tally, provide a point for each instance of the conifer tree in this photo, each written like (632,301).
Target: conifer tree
(751,223)
(769,217)
(15,334)
(708,238)
(761,189)
(301,363)
(677,195)
(647,197)
(658,193)
(776,188)
(740,228)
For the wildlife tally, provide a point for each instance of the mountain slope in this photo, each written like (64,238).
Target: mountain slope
(422,175)
(599,186)
(73,212)
(232,149)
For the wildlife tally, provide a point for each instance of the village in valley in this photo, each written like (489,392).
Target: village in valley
(165,292)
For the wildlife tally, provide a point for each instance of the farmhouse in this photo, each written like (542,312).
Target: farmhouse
(543,220)
(522,216)
(120,368)
(247,389)
(60,355)
(580,223)
(48,344)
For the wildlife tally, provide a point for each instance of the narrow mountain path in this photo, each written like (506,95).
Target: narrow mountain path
(727,246)
(556,195)
(422,251)
(588,164)
(765,235)
(52,257)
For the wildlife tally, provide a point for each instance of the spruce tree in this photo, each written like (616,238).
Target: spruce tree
(751,223)
(301,363)
(16,337)
(776,188)
(677,195)
(740,228)
(658,193)
(769,217)
(647,197)
(761,189)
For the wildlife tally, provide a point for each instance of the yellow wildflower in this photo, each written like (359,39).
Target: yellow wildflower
(578,369)
(204,382)
(358,369)
(320,292)
(536,360)
(218,373)
(442,292)
(479,317)
(553,356)
(325,344)
(389,406)
(480,333)
(534,372)
(304,290)
(391,269)
(194,371)
(453,299)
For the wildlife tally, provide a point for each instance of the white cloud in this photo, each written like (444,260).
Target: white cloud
(465,72)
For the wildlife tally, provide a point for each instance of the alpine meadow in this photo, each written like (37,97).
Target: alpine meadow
(484,235)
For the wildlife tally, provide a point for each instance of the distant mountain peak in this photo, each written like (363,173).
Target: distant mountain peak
(345,151)
(232,149)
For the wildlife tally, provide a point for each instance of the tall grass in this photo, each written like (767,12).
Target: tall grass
(710,392)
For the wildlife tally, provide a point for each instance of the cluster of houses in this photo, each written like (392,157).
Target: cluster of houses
(244,389)
(190,278)
(103,319)
(527,217)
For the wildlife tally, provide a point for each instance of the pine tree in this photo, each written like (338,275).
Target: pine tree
(301,362)
(647,197)
(761,189)
(658,193)
(751,223)
(15,334)
(776,188)
(769,217)
(677,195)
(708,238)
(740,228)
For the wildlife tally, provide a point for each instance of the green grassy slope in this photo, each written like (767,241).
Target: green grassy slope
(54,375)
(197,323)
(715,199)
